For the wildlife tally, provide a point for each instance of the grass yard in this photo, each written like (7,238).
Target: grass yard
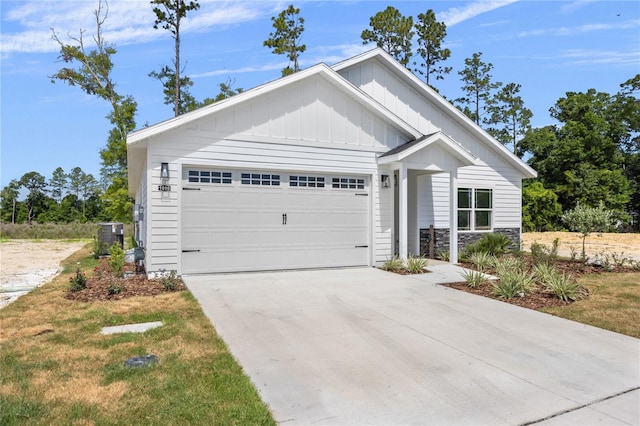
(613,303)
(57,369)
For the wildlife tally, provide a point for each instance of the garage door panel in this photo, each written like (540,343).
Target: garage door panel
(240,228)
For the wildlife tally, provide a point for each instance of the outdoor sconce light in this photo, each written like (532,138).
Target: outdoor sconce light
(141,213)
(385,181)
(164,175)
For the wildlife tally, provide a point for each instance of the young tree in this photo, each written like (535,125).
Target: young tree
(391,31)
(36,186)
(477,86)
(287,37)
(58,184)
(169,14)
(93,75)
(509,119)
(430,34)
(586,220)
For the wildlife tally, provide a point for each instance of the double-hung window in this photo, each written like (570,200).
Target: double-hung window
(475,207)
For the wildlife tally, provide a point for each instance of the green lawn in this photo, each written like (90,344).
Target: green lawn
(57,369)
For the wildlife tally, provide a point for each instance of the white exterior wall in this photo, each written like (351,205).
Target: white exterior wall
(284,130)
(141,199)
(433,191)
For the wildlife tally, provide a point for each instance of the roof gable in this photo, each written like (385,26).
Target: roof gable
(442,105)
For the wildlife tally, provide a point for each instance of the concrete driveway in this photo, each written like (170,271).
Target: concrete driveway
(364,346)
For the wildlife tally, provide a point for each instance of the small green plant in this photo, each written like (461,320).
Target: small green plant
(116,260)
(619,259)
(564,287)
(481,260)
(170,281)
(494,244)
(512,284)
(444,255)
(507,265)
(395,264)
(78,281)
(540,253)
(574,254)
(417,264)
(544,272)
(474,279)
(115,288)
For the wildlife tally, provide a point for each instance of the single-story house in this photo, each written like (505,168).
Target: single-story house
(328,167)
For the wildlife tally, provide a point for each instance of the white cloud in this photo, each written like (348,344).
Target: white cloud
(456,15)
(575,5)
(581,29)
(27,27)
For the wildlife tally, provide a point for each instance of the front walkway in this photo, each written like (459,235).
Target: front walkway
(364,346)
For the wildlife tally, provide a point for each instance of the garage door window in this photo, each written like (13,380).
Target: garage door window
(306,181)
(210,176)
(263,179)
(347,183)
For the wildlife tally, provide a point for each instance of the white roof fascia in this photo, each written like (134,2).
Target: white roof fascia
(321,69)
(446,106)
(449,144)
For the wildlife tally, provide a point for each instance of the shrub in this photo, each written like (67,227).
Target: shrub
(444,255)
(115,288)
(417,264)
(494,244)
(481,260)
(117,260)
(473,278)
(540,253)
(544,272)
(170,281)
(395,264)
(564,287)
(507,265)
(78,281)
(513,283)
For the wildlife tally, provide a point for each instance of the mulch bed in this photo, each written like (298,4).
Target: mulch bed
(540,297)
(99,284)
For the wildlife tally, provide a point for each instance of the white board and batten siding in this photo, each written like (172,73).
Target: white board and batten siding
(387,87)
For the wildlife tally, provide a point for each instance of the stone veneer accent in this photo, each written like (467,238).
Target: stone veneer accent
(466,238)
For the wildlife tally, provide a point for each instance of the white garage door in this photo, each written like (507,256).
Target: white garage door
(254,221)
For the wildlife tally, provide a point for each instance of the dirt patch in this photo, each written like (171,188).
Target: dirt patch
(608,244)
(26,264)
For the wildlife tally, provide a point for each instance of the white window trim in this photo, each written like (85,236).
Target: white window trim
(473,209)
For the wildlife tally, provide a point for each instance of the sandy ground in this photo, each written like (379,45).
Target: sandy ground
(627,245)
(26,264)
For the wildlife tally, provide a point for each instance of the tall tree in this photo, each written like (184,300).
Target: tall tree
(58,184)
(287,37)
(477,86)
(431,34)
(93,75)
(508,118)
(580,159)
(628,109)
(169,14)
(88,188)
(9,203)
(35,185)
(186,101)
(76,176)
(391,31)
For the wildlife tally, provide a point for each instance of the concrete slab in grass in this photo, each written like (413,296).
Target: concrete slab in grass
(132,328)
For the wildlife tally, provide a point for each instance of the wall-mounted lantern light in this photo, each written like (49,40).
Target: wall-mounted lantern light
(385,181)
(164,175)
(164,171)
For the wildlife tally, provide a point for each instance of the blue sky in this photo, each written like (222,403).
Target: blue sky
(549,47)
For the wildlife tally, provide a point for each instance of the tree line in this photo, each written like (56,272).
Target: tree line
(66,197)
(591,156)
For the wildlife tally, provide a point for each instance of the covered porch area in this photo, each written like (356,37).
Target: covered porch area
(409,169)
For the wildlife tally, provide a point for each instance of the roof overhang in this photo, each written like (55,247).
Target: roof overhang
(404,151)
